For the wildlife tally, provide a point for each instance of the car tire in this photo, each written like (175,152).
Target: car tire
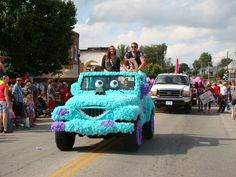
(65,140)
(148,128)
(134,140)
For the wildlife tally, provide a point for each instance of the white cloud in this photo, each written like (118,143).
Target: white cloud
(188,27)
(127,38)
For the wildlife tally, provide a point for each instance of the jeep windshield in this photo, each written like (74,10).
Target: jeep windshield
(108,82)
(172,79)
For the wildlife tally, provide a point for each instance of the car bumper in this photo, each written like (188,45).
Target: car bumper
(171,102)
(93,127)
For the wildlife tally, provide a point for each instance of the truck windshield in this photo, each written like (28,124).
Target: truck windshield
(172,79)
(108,82)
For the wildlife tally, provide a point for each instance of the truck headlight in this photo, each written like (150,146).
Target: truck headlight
(186,93)
(153,93)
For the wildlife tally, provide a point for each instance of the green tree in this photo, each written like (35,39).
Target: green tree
(221,72)
(169,67)
(121,50)
(196,66)
(152,70)
(37,35)
(225,62)
(156,54)
(183,67)
(205,60)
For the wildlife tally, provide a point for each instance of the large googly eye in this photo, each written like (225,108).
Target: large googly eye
(114,84)
(98,83)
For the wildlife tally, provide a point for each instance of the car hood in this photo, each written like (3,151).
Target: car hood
(169,87)
(109,100)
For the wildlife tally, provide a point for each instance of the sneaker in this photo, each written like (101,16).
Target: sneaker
(5,131)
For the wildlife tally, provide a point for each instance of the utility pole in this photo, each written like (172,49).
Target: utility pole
(208,72)
(235,68)
(227,66)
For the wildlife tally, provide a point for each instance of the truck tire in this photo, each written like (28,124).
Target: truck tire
(187,109)
(64,140)
(148,128)
(134,140)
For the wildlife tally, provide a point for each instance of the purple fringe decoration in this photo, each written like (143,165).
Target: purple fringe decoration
(145,89)
(62,112)
(58,126)
(107,123)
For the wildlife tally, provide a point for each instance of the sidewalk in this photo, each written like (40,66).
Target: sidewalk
(42,124)
(229,123)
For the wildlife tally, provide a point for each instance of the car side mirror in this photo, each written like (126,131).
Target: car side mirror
(74,88)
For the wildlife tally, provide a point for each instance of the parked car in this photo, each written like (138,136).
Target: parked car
(106,104)
(172,91)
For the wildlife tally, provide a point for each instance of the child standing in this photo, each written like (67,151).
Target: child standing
(207,106)
(200,90)
(29,109)
(221,103)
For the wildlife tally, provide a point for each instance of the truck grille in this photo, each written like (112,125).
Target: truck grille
(92,112)
(170,93)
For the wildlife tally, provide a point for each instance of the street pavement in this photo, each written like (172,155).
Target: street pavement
(184,145)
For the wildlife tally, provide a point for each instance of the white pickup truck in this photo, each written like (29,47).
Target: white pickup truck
(172,90)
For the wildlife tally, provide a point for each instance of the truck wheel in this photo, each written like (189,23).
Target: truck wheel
(148,128)
(64,140)
(134,140)
(187,109)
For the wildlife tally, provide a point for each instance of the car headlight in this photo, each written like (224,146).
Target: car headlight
(186,93)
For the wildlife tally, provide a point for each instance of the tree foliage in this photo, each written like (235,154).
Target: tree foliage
(169,66)
(37,35)
(196,65)
(122,49)
(205,60)
(183,68)
(152,70)
(225,62)
(156,53)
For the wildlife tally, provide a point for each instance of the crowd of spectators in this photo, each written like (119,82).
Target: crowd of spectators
(22,102)
(224,96)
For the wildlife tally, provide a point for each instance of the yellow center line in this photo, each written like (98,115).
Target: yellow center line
(88,160)
(79,159)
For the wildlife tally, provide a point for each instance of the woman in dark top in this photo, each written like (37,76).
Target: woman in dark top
(110,62)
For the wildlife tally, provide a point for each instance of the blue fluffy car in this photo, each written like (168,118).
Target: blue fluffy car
(106,104)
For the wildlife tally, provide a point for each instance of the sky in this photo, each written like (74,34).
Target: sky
(187,27)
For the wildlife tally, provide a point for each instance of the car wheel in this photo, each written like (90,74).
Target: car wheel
(134,140)
(64,140)
(148,128)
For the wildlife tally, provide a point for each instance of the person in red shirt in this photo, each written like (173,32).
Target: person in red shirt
(64,93)
(4,102)
(216,92)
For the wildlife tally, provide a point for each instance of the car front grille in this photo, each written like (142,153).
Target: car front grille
(170,93)
(92,112)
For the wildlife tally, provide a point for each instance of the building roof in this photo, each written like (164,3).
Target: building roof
(94,49)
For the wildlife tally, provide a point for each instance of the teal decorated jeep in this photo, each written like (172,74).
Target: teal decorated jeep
(106,104)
